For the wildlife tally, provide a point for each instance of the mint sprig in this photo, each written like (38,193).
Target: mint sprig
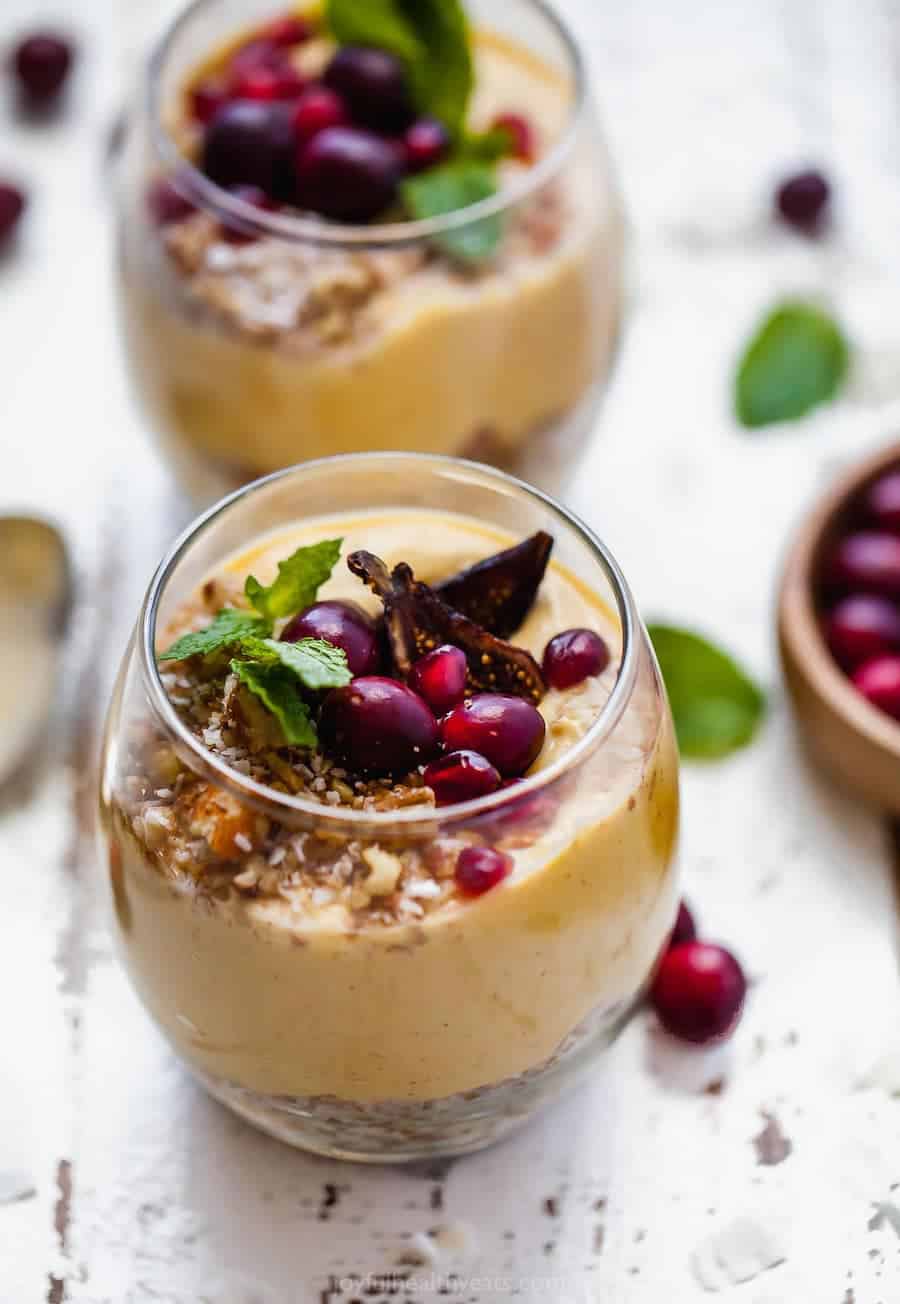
(716,707)
(796,359)
(430,38)
(228,628)
(276,687)
(299,578)
(315,664)
(447,189)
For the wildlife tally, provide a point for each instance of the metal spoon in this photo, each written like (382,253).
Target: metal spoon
(35,599)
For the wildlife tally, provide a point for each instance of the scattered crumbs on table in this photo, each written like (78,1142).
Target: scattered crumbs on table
(772,1145)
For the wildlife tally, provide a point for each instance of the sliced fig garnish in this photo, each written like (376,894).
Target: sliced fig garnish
(417,621)
(498,593)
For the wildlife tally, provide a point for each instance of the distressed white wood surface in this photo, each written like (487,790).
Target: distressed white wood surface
(146,1191)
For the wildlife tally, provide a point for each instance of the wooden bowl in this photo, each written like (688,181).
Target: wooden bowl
(858,744)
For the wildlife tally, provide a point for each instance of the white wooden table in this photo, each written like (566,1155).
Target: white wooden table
(131,1185)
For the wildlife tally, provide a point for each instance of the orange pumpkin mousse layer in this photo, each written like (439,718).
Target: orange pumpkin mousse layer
(378,943)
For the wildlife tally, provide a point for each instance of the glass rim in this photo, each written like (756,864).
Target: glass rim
(279,804)
(190,181)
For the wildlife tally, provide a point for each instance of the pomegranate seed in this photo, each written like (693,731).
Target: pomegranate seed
(373,84)
(12,206)
(440,677)
(267,83)
(868,561)
(317,109)
(41,63)
(879,683)
(699,992)
(883,502)
(425,143)
(166,203)
(206,98)
(801,201)
(258,53)
(461,776)
(685,929)
(347,174)
(288,30)
(507,730)
(523,143)
(861,627)
(343,624)
(573,656)
(378,726)
(478,869)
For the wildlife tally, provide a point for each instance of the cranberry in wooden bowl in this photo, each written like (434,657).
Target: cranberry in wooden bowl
(357,915)
(839,629)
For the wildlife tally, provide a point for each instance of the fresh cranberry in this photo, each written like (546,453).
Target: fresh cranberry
(166,203)
(373,84)
(12,206)
(440,677)
(249,143)
(801,201)
(685,929)
(868,561)
(883,502)
(268,83)
(288,30)
(346,626)
(258,53)
(316,109)
(461,776)
(861,627)
(507,730)
(523,143)
(699,992)
(206,98)
(41,63)
(378,726)
(574,655)
(478,869)
(347,174)
(425,143)
(879,681)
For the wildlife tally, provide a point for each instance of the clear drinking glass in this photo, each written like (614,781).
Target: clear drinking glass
(315,338)
(432,1036)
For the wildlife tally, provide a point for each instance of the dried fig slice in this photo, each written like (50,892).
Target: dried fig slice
(417,621)
(498,593)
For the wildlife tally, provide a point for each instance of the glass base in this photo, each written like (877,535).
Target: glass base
(401,1131)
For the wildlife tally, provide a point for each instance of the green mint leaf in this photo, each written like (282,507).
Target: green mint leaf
(448,188)
(276,687)
(716,707)
(316,664)
(229,626)
(299,579)
(431,39)
(797,359)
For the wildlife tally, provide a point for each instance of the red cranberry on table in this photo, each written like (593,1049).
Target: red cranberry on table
(879,682)
(347,174)
(12,206)
(507,730)
(166,203)
(250,143)
(317,108)
(478,869)
(802,200)
(862,626)
(440,677)
(521,133)
(425,143)
(378,726)
(373,84)
(41,63)
(685,929)
(343,624)
(461,776)
(883,502)
(573,656)
(698,992)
